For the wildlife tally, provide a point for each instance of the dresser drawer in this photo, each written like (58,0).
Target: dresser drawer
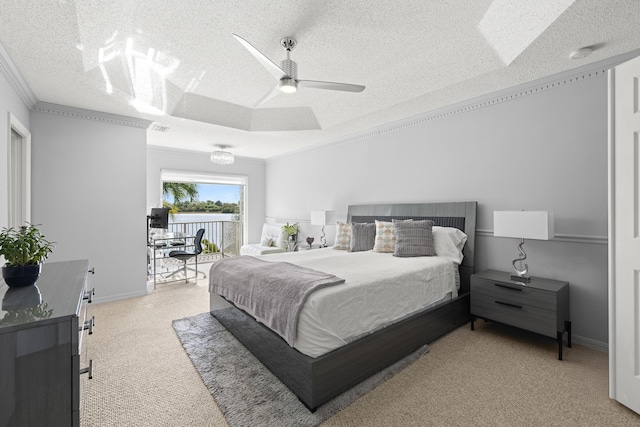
(514,293)
(520,315)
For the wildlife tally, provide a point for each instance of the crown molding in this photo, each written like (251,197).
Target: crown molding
(80,113)
(198,154)
(575,75)
(15,80)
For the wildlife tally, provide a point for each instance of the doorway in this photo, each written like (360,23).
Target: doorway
(19,173)
(217,197)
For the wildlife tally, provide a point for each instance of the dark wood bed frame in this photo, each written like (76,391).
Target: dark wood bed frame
(317,380)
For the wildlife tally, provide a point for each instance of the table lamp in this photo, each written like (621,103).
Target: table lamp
(536,225)
(323,218)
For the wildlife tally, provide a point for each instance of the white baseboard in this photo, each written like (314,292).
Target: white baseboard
(117,297)
(588,342)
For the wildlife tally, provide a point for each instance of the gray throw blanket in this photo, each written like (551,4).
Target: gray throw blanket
(272,292)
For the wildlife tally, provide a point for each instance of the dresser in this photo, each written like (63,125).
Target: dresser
(540,306)
(42,328)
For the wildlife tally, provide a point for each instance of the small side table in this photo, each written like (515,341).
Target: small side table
(305,247)
(542,306)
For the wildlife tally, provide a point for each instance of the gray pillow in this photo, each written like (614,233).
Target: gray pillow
(413,238)
(363,236)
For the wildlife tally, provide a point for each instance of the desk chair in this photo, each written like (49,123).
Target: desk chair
(184,256)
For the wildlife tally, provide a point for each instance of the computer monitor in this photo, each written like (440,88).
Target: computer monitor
(159,218)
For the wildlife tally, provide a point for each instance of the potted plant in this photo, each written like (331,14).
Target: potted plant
(292,231)
(23,250)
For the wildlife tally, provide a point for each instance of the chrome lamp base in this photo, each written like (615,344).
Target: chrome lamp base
(521,279)
(520,275)
(323,240)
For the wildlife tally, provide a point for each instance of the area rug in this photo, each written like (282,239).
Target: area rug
(247,393)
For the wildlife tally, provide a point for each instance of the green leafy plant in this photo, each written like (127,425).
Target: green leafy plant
(209,247)
(29,314)
(26,246)
(291,229)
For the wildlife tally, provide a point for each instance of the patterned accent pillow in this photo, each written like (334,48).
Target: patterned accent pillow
(413,238)
(363,236)
(266,241)
(385,237)
(343,236)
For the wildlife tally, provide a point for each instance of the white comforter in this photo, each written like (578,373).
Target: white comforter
(378,290)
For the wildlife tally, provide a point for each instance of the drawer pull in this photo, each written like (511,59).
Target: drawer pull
(88,324)
(508,304)
(512,288)
(89,295)
(88,370)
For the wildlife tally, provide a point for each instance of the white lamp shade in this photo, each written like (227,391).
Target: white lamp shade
(537,225)
(323,218)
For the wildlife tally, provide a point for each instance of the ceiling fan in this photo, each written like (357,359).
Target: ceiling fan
(287,73)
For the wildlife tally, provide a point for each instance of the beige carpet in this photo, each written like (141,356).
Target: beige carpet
(494,376)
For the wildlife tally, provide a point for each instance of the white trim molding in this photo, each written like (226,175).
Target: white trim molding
(18,215)
(15,80)
(572,238)
(588,342)
(80,113)
(197,154)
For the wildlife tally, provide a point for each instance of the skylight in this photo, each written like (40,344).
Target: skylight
(511,26)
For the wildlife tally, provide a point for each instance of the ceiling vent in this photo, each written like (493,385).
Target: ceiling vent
(159,128)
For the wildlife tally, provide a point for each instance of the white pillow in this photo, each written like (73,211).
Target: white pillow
(278,235)
(282,239)
(266,241)
(385,237)
(448,242)
(343,236)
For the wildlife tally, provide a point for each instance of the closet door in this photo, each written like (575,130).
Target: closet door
(624,234)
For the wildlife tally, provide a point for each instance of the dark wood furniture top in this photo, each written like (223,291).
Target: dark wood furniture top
(540,306)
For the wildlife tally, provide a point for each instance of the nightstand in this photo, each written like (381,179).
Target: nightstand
(542,306)
(305,247)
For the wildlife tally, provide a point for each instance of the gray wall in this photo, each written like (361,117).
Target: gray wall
(88,192)
(536,149)
(10,103)
(162,158)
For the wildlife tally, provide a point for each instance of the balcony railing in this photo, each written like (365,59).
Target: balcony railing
(221,238)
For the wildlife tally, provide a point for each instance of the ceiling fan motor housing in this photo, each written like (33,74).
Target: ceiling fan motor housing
(289,67)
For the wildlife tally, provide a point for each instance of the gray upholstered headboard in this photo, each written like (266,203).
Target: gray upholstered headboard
(461,215)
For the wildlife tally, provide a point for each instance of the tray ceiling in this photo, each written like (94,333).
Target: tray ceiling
(176,63)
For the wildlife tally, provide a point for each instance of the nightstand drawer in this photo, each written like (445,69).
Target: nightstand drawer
(518,294)
(520,315)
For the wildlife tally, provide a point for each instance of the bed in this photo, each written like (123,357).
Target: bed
(315,380)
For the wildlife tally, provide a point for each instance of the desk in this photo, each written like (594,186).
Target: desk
(165,243)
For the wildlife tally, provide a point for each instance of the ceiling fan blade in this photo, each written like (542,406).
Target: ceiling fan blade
(345,87)
(273,92)
(277,72)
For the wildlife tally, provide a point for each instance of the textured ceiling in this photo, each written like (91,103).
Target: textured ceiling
(177,63)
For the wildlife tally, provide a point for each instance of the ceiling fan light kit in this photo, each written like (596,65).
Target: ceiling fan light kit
(287,73)
(288,86)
